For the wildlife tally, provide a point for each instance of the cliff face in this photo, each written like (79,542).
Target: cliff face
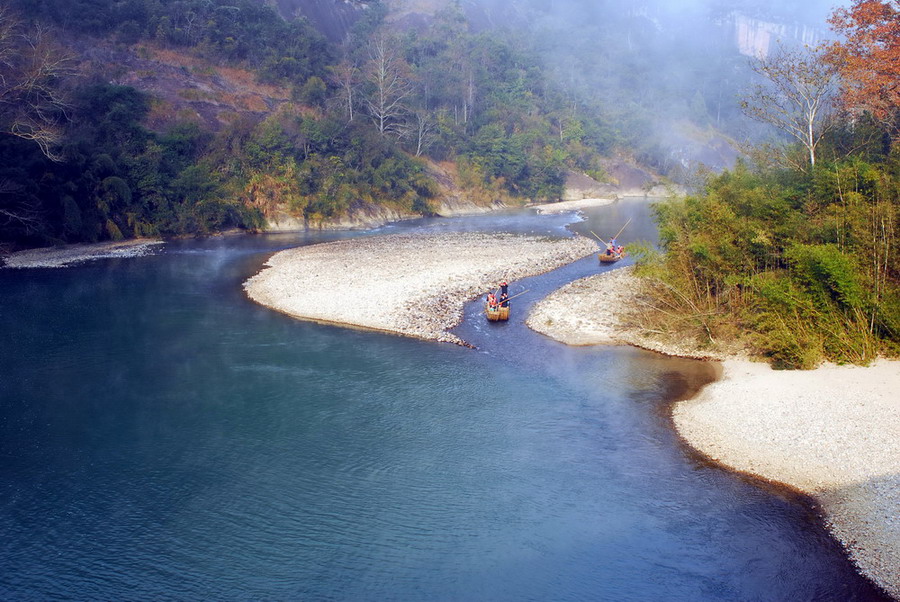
(185,87)
(752,35)
(757,38)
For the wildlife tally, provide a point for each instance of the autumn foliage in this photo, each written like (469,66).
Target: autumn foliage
(869,58)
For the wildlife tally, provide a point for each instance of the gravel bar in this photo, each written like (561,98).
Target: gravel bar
(833,432)
(410,284)
(63,256)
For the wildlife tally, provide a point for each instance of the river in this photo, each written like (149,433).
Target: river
(162,437)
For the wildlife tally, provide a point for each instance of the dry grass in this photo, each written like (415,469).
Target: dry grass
(201,68)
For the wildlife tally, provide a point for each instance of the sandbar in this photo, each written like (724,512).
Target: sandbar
(595,319)
(409,284)
(576,205)
(63,256)
(832,432)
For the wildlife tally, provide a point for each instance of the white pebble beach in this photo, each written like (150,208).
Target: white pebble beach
(833,432)
(63,256)
(413,285)
(576,205)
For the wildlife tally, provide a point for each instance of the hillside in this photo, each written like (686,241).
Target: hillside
(185,87)
(154,120)
(200,116)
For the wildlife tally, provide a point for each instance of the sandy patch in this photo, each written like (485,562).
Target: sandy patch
(595,311)
(564,206)
(413,285)
(58,257)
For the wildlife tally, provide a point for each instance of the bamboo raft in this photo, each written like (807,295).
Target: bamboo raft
(612,257)
(604,258)
(499,312)
(496,314)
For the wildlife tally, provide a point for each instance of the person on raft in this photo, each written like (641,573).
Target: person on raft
(611,247)
(492,300)
(504,294)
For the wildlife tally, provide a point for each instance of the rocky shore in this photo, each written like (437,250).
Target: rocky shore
(595,319)
(833,432)
(414,285)
(595,311)
(576,205)
(58,257)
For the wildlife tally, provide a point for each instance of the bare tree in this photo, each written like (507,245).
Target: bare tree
(390,82)
(32,68)
(425,132)
(345,76)
(796,96)
(460,74)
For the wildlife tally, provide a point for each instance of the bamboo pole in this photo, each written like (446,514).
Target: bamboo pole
(507,300)
(621,229)
(598,238)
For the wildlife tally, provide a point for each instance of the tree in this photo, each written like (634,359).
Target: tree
(869,59)
(795,96)
(345,77)
(425,134)
(32,102)
(390,83)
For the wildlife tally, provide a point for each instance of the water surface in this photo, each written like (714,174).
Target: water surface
(161,437)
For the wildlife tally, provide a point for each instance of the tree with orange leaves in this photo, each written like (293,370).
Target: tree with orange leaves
(869,58)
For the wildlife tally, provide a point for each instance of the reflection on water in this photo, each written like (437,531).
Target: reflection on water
(163,437)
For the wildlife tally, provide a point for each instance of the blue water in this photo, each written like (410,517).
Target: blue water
(161,437)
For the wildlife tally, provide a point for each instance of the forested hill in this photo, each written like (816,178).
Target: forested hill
(158,117)
(163,118)
(794,255)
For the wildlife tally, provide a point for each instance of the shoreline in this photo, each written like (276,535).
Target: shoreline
(68,255)
(408,284)
(590,311)
(831,434)
(575,205)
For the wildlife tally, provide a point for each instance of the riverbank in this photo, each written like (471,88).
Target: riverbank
(595,311)
(63,256)
(413,285)
(576,205)
(833,432)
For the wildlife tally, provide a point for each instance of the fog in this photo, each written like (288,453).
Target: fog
(665,76)
(672,72)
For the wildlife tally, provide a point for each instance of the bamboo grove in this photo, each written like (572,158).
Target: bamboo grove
(796,259)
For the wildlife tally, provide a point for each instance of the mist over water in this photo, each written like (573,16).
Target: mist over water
(163,437)
(666,76)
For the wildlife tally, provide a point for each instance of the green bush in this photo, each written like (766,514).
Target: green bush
(807,264)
